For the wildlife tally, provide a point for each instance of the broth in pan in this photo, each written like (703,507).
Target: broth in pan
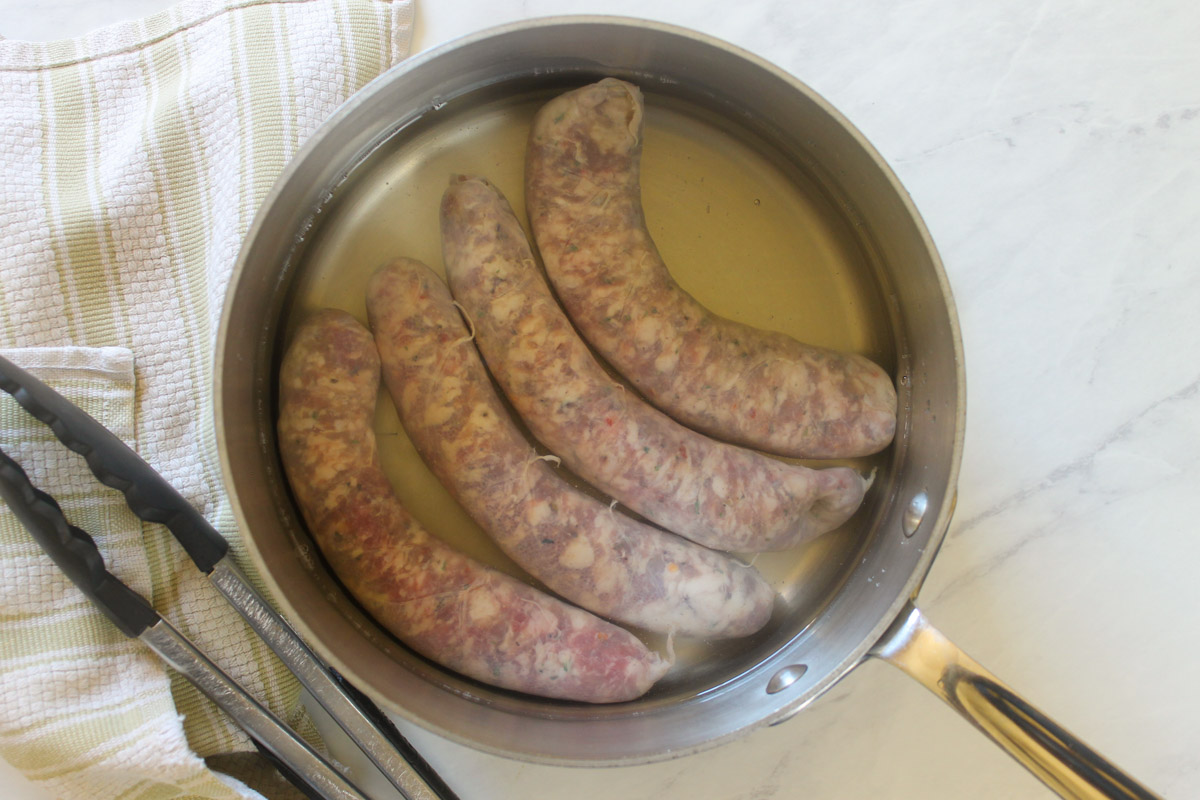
(752,235)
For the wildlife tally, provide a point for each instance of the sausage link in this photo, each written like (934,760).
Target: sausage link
(738,383)
(716,494)
(451,609)
(578,546)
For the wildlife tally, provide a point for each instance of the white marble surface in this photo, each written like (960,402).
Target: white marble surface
(1053,148)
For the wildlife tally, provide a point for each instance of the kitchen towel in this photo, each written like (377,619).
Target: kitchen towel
(134,159)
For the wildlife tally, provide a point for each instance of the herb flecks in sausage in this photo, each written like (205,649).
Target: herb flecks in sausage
(576,545)
(735,382)
(716,494)
(451,609)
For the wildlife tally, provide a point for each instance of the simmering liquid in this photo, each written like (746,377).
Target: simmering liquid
(750,234)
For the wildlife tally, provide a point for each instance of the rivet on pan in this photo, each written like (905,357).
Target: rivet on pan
(786,677)
(914,514)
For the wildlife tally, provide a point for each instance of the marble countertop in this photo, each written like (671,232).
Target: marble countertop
(1053,148)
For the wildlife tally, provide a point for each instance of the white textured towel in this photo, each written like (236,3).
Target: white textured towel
(134,160)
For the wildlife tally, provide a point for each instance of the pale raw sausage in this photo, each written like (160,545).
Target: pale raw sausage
(720,495)
(575,544)
(451,609)
(738,383)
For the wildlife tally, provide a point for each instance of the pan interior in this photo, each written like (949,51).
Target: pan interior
(751,234)
(766,204)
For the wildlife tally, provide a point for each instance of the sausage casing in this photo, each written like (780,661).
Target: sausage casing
(717,494)
(575,544)
(735,382)
(451,609)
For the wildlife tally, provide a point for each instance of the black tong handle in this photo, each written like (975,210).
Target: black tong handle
(73,550)
(112,461)
(152,499)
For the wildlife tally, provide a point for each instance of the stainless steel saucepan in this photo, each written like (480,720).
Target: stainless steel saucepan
(769,207)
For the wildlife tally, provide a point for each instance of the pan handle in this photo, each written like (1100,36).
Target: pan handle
(1057,758)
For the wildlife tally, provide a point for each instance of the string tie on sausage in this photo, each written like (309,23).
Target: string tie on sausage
(550,457)
(470,323)
(870,479)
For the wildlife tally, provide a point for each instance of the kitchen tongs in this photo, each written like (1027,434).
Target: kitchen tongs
(152,499)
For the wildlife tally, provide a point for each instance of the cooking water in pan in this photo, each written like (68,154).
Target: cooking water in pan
(744,230)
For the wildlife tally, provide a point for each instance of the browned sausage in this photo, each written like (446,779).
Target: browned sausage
(578,546)
(451,609)
(719,495)
(735,382)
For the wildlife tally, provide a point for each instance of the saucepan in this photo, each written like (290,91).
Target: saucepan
(768,206)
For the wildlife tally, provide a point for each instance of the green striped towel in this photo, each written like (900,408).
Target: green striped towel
(134,160)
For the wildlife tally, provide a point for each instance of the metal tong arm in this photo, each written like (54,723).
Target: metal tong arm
(151,498)
(76,554)
(365,724)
